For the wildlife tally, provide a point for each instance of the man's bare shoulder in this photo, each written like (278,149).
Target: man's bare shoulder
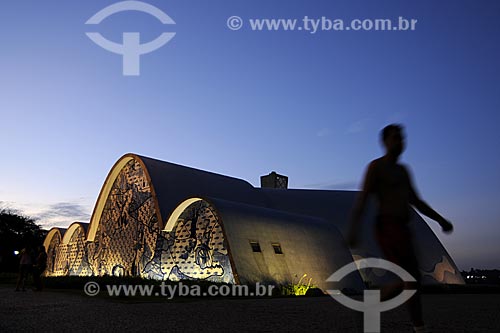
(405,167)
(375,163)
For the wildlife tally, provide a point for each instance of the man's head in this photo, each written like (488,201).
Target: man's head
(393,139)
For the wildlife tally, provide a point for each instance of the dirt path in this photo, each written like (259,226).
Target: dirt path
(73,311)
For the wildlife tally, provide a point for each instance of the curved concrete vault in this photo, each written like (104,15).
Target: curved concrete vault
(164,221)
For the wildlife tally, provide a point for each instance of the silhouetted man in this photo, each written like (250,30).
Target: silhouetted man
(390,183)
(39,268)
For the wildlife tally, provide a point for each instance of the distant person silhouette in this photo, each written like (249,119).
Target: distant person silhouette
(391,184)
(39,268)
(25,267)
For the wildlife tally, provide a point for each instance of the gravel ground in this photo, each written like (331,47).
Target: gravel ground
(63,310)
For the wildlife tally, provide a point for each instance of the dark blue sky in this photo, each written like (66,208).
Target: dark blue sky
(245,102)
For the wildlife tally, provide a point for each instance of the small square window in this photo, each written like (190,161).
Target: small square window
(255,246)
(277,248)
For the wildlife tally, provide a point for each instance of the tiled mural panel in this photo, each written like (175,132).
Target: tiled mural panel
(129,242)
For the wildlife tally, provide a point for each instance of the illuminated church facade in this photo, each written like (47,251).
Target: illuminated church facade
(164,221)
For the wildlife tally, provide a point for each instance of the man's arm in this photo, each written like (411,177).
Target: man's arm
(357,212)
(427,210)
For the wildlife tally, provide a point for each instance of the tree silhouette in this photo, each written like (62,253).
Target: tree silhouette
(16,231)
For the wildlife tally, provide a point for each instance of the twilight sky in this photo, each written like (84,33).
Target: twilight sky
(243,103)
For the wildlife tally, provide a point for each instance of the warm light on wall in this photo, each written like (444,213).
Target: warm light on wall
(299,288)
(172,220)
(96,216)
(127,239)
